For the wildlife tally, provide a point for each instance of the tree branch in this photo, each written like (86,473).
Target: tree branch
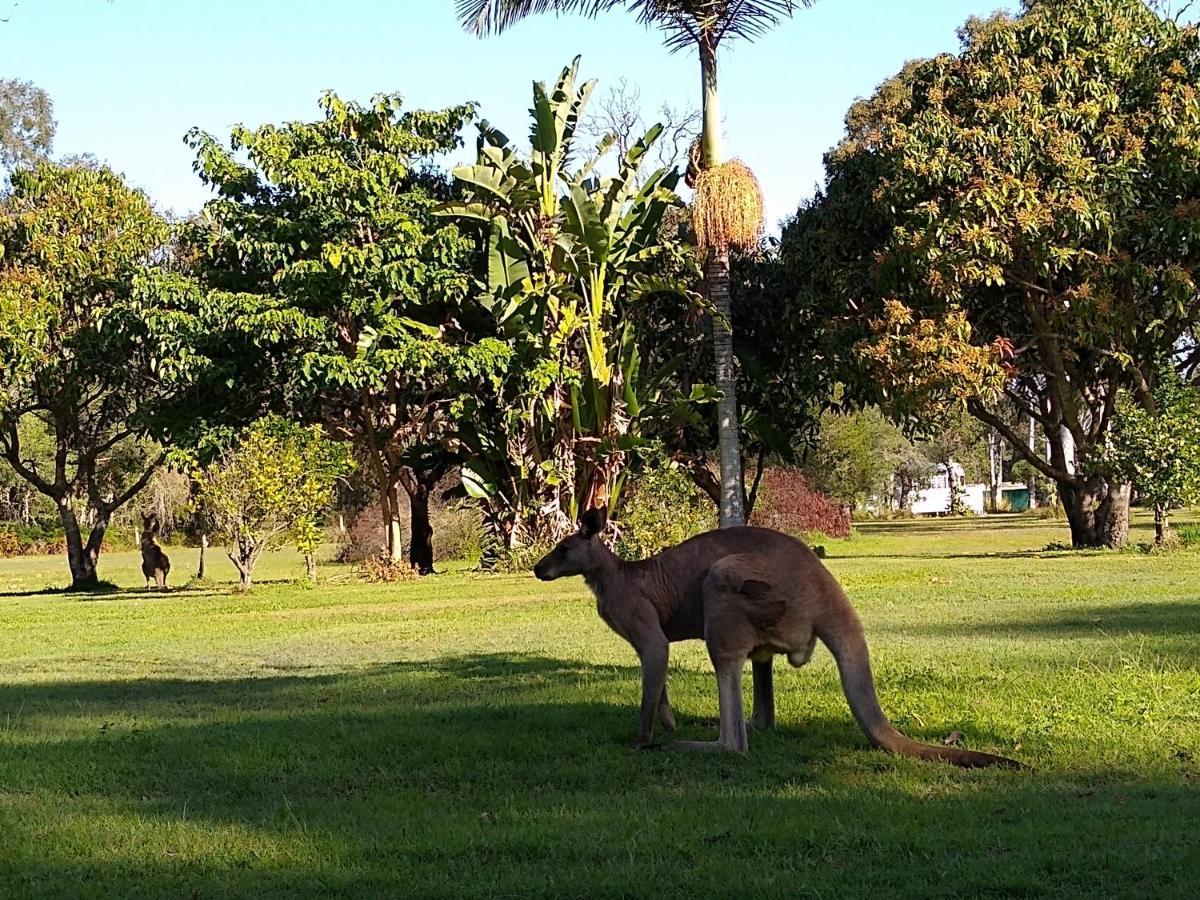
(10,444)
(980,412)
(134,489)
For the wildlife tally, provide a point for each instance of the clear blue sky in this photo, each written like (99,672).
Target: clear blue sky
(130,77)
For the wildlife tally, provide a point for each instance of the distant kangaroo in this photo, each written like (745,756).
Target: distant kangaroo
(155,563)
(748,593)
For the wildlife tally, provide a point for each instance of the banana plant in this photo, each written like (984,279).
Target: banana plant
(568,253)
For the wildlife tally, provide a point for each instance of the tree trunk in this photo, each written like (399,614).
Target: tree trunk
(96,538)
(995,468)
(245,570)
(1162,524)
(200,570)
(955,507)
(1031,484)
(389,502)
(420,533)
(716,271)
(716,278)
(310,566)
(81,563)
(1098,512)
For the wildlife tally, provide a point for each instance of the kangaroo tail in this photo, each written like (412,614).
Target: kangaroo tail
(849,649)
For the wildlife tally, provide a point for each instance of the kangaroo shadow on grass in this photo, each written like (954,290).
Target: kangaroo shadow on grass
(506,774)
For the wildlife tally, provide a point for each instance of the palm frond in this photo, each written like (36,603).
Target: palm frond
(486,17)
(683,22)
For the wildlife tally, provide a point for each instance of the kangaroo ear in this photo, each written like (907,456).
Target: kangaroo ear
(593,522)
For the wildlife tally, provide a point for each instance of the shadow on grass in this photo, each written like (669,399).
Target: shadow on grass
(942,525)
(490,775)
(1158,619)
(109,591)
(982,554)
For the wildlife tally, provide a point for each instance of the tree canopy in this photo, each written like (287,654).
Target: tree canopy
(570,257)
(1024,217)
(327,227)
(26,123)
(1158,450)
(96,339)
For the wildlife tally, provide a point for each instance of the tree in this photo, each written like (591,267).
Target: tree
(1034,201)
(568,259)
(728,203)
(1159,450)
(329,225)
(95,342)
(857,457)
(26,123)
(275,481)
(619,115)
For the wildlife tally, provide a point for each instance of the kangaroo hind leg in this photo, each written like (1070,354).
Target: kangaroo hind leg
(732,735)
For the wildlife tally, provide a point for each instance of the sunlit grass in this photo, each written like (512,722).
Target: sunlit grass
(468,735)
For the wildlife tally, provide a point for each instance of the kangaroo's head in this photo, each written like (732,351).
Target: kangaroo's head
(579,554)
(150,525)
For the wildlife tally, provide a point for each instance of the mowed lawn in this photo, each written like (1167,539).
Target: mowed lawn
(469,736)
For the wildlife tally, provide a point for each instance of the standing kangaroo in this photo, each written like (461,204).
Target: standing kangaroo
(155,563)
(748,593)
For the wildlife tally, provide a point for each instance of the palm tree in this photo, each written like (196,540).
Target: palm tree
(728,204)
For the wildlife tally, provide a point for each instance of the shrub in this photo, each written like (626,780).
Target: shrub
(514,560)
(364,538)
(17,539)
(457,532)
(663,508)
(10,544)
(382,569)
(789,503)
(1188,536)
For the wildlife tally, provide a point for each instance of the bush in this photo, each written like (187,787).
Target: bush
(514,560)
(364,538)
(30,540)
(382,569)
(1188,536)
(663,508)
(457,532)
(789,503)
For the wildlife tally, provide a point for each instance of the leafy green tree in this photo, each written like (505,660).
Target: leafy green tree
(1033,200)
(664,508)
(728,198)
(20,501)
(96,343)
(1158,450)
(857,456)
(26,123)
(327,226)
(275,481)
(568,259)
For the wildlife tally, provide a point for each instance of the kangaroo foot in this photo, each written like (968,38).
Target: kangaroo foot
(705,747)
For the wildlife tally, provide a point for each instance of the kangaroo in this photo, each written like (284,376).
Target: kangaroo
(155,563)
(748,593)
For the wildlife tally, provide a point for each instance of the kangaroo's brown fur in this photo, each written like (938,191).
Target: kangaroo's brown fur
(155,563)
(749,593)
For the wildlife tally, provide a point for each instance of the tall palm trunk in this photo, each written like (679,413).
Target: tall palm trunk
(716,278)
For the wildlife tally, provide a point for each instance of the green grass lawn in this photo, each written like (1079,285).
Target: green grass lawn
(469,736)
